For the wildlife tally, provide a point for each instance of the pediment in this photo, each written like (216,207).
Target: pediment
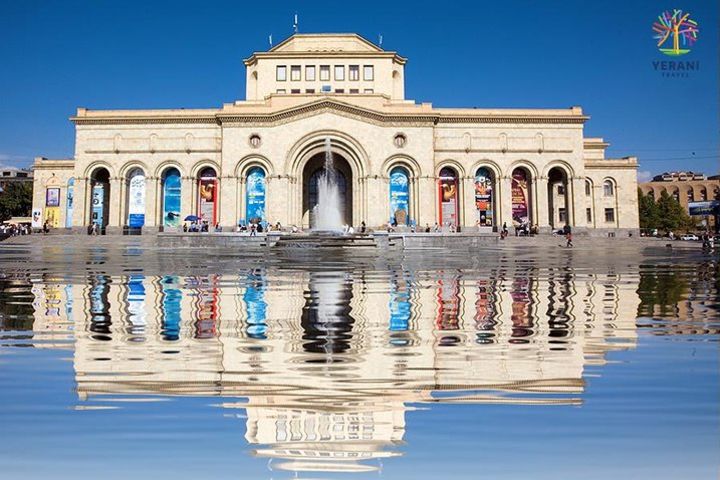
(325,42)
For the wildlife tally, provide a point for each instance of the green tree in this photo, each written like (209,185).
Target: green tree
(649,214)
(672,217)
(16,200)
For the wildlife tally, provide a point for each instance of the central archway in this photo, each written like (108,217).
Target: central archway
(311,173)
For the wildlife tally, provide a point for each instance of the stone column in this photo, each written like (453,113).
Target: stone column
(227,206)
(468,212)
(114,205)
(186,197)
(576,202)
(81,206)
(152,206)
(541,216)
(505,202)
(427,200)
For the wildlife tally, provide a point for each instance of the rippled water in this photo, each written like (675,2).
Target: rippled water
(133,361)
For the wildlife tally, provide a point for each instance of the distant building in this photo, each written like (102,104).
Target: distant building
(10,175)
(685,187)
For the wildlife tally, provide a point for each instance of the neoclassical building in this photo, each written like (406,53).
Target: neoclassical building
(260,158)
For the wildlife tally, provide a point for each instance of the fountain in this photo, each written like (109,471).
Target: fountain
(327,212)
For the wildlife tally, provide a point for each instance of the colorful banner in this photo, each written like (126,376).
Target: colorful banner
(52,216)
(207,193)
(69,203)
(37,218)
(399,196)
(98,204)
(704,208)
(520,197)
(448,199)
(255,196)
(171,198)
(52,197)
(484,197)
(136,201)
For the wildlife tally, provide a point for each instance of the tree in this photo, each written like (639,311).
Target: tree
(16,200)
(649,215)
(671,215)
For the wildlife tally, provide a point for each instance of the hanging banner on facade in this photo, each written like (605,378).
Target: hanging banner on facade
(704,208)
(399,196)
(70,197)
(484,197)
(255,197)
(520,197)
(37,218)
(136,201)
(171,199)
(448,199)
(98,204)
(52,197)
(52,216)
(207,193)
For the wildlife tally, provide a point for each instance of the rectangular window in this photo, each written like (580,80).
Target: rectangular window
(281,73)
(368,73)
(324,72)
(295,73)
(339,90)
(326,88)
(309,90)
(295,91)
(310,73)
(340,72)
(588,215)
(561,215)
(609,215)
(354,90)
(354,73)
(561,189)
(368,90)
(587,188)
(281,91)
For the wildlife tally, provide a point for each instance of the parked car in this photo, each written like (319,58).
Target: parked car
(690,236)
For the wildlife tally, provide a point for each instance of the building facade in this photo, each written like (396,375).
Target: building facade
(686,188)
(396,160)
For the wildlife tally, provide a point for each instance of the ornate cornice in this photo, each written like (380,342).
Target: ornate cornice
(229,118)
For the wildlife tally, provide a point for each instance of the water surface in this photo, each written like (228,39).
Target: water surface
(120,361)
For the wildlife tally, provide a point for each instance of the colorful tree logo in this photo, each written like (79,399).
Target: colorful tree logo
(679,26)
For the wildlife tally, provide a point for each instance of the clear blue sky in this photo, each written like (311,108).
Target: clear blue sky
(57,56)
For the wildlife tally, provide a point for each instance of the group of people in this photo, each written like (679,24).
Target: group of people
(13,230)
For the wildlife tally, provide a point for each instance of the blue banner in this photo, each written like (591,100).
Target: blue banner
(255,196)
(171,198)
(98,204)
(399,196)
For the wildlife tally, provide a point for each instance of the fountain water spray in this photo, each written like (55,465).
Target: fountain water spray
(328,214)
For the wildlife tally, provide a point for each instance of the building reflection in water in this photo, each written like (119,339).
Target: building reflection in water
(327,363)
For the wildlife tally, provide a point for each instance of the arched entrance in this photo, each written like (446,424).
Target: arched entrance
(100,195)
(448,197)
(485,197)
(400,196)
(558,214)
(207,195)
(171,195)
(521,192)
(135,201)
(312,172)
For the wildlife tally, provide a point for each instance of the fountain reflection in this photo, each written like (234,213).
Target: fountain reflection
(326,364)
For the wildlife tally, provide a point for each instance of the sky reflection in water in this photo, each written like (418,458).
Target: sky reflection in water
(389,369)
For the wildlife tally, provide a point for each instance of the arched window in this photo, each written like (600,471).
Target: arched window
(588,188)
(172,189)
(485,196)
(690,195)
(255,195)
(400,196)
(703,194)
(207,195)
(448,195)
(70,199)
(136,198)
(608,188)
(99,212)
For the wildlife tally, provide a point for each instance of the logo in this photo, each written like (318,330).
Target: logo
(675,32)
